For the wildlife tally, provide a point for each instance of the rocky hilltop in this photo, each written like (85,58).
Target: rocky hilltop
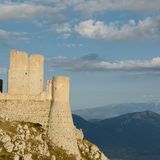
(50,133)
(29,141)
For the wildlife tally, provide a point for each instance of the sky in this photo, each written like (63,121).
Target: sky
(109,48)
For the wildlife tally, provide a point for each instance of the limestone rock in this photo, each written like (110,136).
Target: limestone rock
(27,157)
(22,147)
(19,146)
(16,157)
(53,157)
(79,134)
(8,146)
(5,138)
(90,151)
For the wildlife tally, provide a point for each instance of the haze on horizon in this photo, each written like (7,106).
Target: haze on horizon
(110,49)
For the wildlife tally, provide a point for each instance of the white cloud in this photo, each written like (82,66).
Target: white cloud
(49,17)
(93,62)
(92,6)
(143,29)
(59,16)
(25,11)
(61,27)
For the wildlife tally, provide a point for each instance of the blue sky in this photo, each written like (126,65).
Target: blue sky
(109,48)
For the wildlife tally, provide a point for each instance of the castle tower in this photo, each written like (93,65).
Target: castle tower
(60,127)
(36,63)
(18,73)
(25,75)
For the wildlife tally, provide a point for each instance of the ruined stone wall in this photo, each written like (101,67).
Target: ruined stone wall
(28,110)
(25,100)
(25,75)
(61,130)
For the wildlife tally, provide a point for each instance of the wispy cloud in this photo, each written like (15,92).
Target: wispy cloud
(7,37)
(143,29)
(93,6)
(5,34)
(93,62)
(24,11)
(38,13)
(63,28)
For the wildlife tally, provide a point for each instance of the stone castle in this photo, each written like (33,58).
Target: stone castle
(26,100)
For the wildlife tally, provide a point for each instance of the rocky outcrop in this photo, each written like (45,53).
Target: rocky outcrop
(28,141)
(23,141)
(90,151)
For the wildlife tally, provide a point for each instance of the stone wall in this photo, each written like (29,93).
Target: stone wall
(28,110)
(26,100)
(25,75)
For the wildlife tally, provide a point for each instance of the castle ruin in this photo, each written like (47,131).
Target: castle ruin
(26,99)
(25,75)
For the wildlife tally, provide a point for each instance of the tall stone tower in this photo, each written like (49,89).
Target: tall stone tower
(60,127)
(36,72)
(18,73)
(25,75)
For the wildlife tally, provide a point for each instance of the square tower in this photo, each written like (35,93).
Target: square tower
(25,75)
(36,64)
(18,73)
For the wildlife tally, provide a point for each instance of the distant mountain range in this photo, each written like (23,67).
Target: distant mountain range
(133,136)
(109,111)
